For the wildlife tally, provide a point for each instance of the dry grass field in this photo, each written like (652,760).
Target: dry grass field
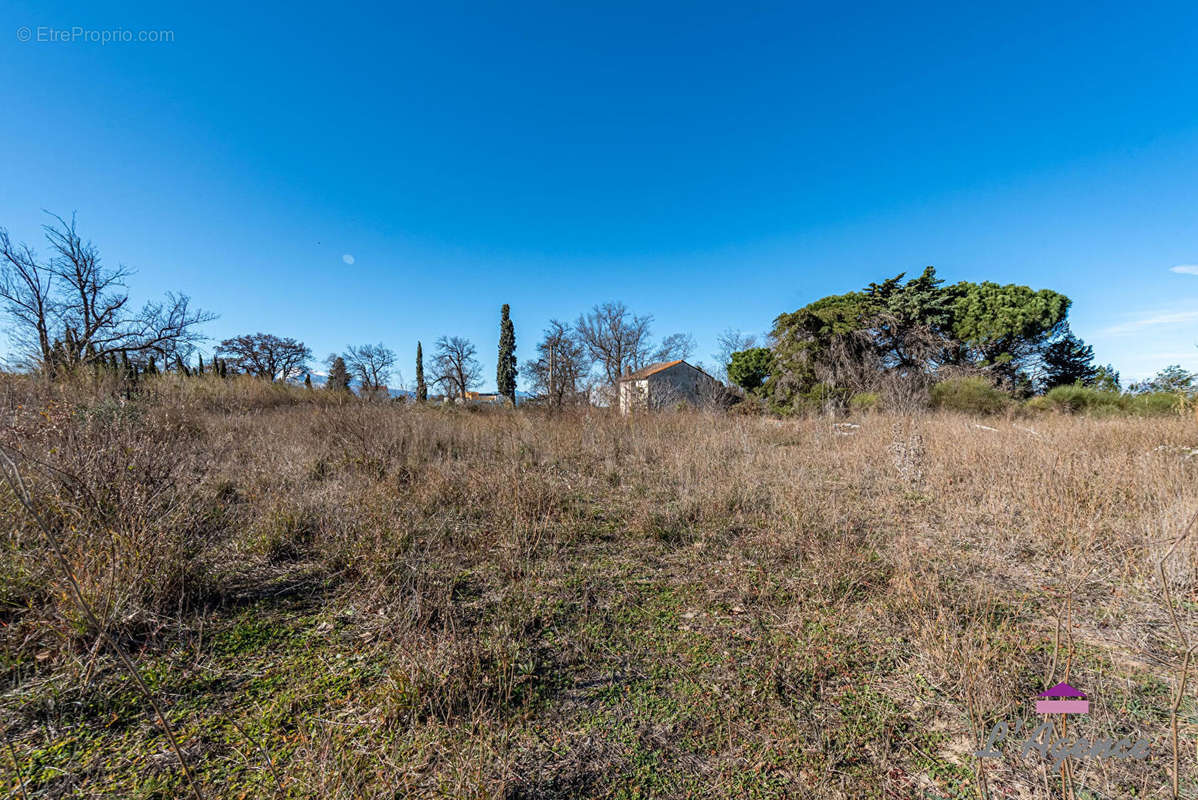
(344,600)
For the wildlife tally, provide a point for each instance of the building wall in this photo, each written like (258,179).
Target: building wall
(633,395)
(681,383)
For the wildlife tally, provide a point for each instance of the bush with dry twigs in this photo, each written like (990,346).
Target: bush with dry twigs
(330,598)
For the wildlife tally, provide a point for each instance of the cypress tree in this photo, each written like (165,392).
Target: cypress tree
(307,380)
(421,387)
(505,373)
(224,368)
(200,368)
(151,367)
(338,380)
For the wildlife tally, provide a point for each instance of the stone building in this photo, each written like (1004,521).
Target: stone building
(668,384)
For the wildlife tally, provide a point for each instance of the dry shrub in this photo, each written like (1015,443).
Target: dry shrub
(120,486)
(513,574)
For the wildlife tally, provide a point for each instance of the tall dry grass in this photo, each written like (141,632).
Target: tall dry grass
(792,608)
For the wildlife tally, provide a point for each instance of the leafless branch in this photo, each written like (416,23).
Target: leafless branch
(16,483)
(266,355)
(372,365)
(455,367)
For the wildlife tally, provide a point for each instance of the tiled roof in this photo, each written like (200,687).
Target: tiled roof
(652,369)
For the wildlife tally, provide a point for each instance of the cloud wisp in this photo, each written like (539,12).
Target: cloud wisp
(1185,269)
(1165,318)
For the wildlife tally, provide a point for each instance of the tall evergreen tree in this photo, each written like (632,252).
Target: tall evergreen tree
(1068,360)
(505,373)
(307,380)
(338,380)
(421,386)
(1106,379)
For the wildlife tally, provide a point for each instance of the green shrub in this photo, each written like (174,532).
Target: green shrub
(816,399)
(1038,403)
(822,396)
(865,401)
(750,368)
(972,395)
(1085,400)
(1075,399)
(1155,404)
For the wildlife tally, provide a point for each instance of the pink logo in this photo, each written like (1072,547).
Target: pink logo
(1054,702)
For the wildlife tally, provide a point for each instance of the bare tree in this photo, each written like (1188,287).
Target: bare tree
(560,366)
(729,342)
(372,365)
(266,355)
(675,346)
(72,309)
(25,288)
(615,338)
(455,367)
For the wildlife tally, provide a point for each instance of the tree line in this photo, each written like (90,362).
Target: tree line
(897,337)
(894,338)
(71,310)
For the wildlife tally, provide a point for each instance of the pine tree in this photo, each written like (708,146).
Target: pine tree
(1106,379)
(421,387)
(1068,360)
(338,380)
(505,373)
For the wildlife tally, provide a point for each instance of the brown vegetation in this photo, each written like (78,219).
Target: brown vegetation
(341,599)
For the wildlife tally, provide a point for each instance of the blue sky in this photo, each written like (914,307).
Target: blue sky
(711,164)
